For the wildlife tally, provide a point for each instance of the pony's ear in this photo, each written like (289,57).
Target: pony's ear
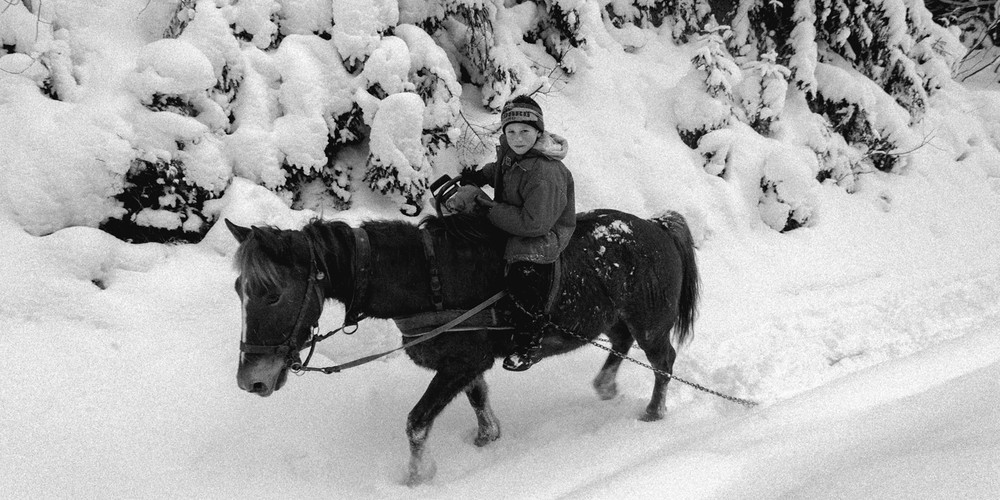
(240,233)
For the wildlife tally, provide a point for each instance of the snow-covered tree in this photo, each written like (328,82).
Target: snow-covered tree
(775,178)
(763,92)
(488,53)
(358,27)
(435,81)
(705,100)
(640,13)
(560,29)
(298,95)
(178,165)
(690,18)
(397,165)
(801,47)
(31,48)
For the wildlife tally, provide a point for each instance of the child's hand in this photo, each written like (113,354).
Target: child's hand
(484,201)
(464,200)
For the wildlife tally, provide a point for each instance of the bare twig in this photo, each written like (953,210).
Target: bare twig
(38,22)
(925,141)
(976,70)
(472,128)
(553,81)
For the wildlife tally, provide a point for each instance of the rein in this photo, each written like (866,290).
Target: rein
(424,337)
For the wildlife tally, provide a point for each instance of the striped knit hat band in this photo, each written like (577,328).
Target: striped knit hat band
(522,111)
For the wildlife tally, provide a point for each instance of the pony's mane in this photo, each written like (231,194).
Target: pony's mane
(255,263)
(258,257)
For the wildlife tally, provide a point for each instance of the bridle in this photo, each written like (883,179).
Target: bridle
(287,346)
(353,314)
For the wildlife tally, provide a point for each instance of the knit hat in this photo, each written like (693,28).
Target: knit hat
(522,109)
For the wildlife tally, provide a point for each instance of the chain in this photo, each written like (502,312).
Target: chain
(745,402)
(538,317)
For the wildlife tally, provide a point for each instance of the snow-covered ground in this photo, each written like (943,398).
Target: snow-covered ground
(871,338)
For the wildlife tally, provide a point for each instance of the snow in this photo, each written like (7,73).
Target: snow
(871,337)
(254,17)
(171,66)
(396,134)
(358,22)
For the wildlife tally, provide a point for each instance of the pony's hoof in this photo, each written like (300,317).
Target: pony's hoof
(606,391)
(652,415)
(485,438)
(421,473)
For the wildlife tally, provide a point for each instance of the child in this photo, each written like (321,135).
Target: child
(534,203)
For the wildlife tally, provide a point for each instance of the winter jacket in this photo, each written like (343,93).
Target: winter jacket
(535,199)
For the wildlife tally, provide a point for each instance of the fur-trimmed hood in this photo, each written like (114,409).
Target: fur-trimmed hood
(553,146)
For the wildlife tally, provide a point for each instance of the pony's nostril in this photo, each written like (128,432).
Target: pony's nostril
(258,387)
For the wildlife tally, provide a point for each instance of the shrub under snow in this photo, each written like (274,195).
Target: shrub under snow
(318,100)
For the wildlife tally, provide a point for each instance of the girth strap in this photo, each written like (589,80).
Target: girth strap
(436,294)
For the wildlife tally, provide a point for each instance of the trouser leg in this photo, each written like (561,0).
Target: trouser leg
(528,285)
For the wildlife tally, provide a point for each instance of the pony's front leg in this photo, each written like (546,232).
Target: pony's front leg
(442,389)
(489,426)
(421,468)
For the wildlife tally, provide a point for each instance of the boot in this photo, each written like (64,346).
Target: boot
(526,350)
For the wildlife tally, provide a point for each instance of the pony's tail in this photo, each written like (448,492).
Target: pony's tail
(687,307)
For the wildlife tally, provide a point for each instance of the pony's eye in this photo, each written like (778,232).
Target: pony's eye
(272,298)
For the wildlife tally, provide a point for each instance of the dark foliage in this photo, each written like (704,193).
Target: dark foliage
(158,185)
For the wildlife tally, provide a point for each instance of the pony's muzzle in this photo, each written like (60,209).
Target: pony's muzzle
(261,376)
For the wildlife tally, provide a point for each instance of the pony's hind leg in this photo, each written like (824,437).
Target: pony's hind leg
(489,426)
(621,342)
(443,388)
(661,355)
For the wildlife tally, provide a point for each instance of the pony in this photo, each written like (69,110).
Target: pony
(634,280)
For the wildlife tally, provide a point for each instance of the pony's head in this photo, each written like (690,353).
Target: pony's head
(281,293)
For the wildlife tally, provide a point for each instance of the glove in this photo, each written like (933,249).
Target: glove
(464,200)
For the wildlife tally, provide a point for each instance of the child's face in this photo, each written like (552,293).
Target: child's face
(520,137)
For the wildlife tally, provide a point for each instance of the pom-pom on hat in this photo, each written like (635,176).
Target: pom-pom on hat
(522,109)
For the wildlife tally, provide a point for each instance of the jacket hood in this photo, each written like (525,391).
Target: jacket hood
(553,146)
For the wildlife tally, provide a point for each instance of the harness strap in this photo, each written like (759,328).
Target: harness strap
(419,340)
(436,295)
(362,265)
